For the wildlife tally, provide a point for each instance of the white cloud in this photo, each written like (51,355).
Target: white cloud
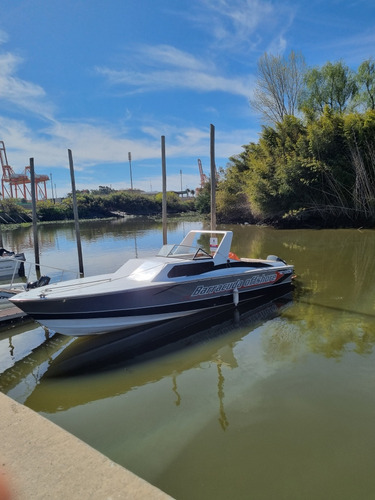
(25,95)
(277,46)
(169,55)
(232,25)
(94,144)
(96,147)
(244,25)
(187,72)
(237,20)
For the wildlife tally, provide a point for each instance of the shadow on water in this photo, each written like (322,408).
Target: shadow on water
(113,351)
(29,360)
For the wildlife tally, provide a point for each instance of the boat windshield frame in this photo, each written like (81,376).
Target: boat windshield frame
(184,252)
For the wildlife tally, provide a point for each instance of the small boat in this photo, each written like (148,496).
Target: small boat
(11,264)
(200,273)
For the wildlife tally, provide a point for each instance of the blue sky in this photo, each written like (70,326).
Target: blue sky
(108,77)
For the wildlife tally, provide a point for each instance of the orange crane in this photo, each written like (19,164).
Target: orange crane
(204,179)
(13,184)
(203,176)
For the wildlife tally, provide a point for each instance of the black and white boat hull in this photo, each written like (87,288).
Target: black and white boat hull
(148,291)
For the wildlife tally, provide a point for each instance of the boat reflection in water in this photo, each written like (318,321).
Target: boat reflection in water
(214,335)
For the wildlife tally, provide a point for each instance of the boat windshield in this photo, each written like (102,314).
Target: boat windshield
(184,252)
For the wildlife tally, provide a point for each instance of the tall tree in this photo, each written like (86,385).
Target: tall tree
(278,86)
(366,83)
(334,85)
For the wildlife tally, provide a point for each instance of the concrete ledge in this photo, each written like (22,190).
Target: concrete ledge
(39,460)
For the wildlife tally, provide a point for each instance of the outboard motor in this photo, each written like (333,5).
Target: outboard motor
(42,281)
(4,253)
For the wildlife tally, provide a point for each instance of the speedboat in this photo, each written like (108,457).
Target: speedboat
(199,273)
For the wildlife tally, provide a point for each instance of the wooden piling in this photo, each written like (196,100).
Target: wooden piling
(35,226)
(164,190)
(75,212)
(213,178)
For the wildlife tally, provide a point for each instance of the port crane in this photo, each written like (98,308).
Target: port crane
(203,176)
(18,185)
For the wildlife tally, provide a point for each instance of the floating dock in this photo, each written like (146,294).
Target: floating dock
(11,314)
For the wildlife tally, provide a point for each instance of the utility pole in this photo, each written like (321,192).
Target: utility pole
(130,167)
(181,179)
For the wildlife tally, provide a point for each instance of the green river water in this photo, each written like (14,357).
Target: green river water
(271,402)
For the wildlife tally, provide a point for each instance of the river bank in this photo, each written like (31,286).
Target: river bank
(41,460)
(319,219)
(128,205)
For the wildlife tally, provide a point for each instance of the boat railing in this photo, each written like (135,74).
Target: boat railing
(33,271)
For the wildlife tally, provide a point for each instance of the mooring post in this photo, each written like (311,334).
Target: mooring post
(35,227)
(213,178)
(75,212)
(164,190)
